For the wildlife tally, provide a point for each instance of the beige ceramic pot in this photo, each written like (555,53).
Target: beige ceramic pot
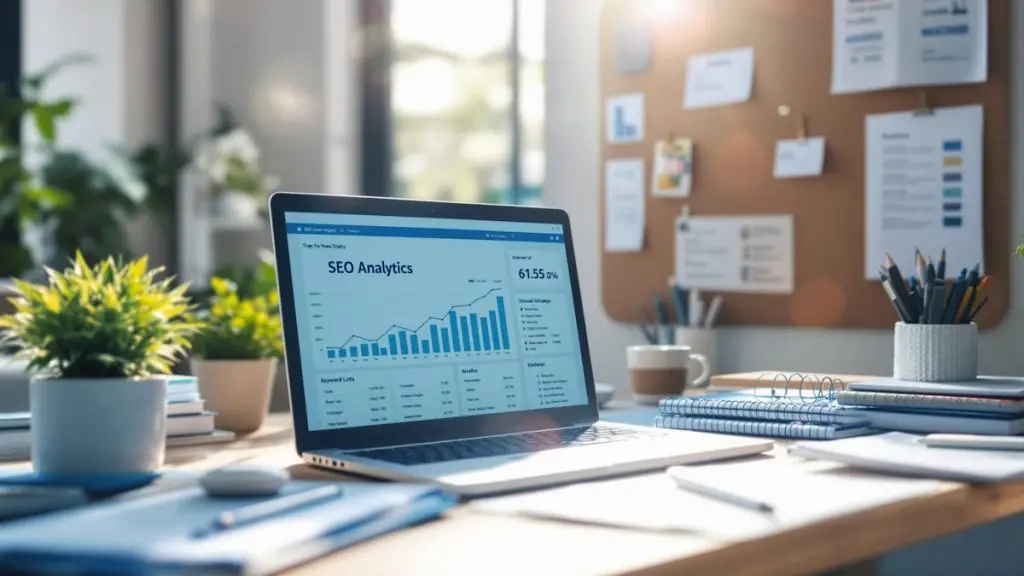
(237,390)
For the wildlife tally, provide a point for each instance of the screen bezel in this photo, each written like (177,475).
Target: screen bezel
(430,430)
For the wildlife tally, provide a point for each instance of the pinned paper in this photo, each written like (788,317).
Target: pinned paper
(800,158)
(632,46)
(673,167)
(625,118)
(624,205)
(719,78)
(735,253)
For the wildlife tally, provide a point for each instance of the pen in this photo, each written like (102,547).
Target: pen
(915,299)
(896,281)
(679,300)
(978,309)
(896,303)
(650,334)
(953,304)
(696,309)
(975,283)
(712,316)
(679,475)
(961,314)
(929,302)
(938,301)
(941,272)
(922,266)
(269,509)
(660,310)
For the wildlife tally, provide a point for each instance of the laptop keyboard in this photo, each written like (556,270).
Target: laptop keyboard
(508,444)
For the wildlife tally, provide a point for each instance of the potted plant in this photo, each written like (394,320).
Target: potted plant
(228,161)
(102,337)
(236,354)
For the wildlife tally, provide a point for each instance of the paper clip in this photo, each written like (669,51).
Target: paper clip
(801,121)
(923,107)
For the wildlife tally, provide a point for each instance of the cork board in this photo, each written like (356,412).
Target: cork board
(734,152)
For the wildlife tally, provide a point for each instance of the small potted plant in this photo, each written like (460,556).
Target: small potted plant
(235,355)
(102,337)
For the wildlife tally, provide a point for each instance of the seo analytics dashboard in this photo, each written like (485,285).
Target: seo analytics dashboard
(409,319)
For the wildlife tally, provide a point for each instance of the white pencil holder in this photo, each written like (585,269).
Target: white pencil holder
(935,352)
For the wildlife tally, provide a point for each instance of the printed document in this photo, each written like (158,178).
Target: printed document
(891,43)
(735,253)
(624,205)
(923,186)
(719,78)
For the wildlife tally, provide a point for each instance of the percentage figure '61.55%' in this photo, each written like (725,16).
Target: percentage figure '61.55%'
(537,274)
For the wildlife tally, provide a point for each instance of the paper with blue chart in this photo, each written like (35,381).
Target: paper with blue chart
(879,45)
(923,187)
(624,118)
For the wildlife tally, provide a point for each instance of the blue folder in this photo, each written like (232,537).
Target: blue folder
(156,534)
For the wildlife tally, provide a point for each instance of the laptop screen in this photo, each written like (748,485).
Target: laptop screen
(405,319)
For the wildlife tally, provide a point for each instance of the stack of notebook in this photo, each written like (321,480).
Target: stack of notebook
(987,405)
(774,412)
(188,422)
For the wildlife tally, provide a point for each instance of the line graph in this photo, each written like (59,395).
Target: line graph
(478,326)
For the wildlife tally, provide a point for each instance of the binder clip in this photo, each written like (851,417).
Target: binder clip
(923,107)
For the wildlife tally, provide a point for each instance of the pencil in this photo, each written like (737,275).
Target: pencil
(941,272)
(898,286)
(978,309)
(964,303)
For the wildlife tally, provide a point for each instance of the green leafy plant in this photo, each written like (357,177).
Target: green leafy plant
(1020,250)
(103,194)
(237,327)
(110,320)
(24,199)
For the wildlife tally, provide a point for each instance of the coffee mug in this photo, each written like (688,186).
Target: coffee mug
(657,371)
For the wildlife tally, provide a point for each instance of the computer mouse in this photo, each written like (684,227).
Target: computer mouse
(243,480)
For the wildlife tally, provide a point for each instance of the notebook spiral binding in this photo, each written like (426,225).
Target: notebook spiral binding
(818,388)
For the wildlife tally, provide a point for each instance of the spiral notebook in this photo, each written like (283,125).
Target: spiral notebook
(787,406)
(797,430)
(930,402)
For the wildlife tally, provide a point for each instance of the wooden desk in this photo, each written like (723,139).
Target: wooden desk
(468,542)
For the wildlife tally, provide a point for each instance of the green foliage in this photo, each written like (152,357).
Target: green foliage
(102,197)
(237,327)
(1020,250)
(110,320)
(250,282)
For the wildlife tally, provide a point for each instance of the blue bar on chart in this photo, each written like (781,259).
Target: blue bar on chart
(383,351)
(435,340)
(486,333)
(402,343)
(415,342)
(425,346)
(393,342)
(475,325)
(353,351)
(331,353)
(364,349)
(464,324)
(495,339)
(505,345)
(455,331)
(445,341)
(341,353)
(375,349)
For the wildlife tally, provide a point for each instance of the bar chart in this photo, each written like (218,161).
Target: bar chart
(478,327)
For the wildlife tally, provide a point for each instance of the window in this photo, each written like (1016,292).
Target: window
(453,100)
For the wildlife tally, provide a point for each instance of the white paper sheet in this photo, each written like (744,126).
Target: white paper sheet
(878,45)
(735,253)
(801,493)
(624,205)
(923,187)
(624,119)
(719,78)
(799,158)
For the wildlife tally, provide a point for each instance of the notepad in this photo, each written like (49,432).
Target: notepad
(930,402)
(763,404)
(901,453)
(988,386)
(798,430)
(948,422)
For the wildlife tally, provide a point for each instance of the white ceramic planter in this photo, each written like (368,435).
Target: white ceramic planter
(237,390)
(98,426)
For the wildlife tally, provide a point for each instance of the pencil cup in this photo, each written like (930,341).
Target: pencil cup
(702,341)
(935,352)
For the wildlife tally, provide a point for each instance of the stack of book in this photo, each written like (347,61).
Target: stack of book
(14,435)
(775,413)
(188,422)
(987,405)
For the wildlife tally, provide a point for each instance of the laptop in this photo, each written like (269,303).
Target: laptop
(444,343)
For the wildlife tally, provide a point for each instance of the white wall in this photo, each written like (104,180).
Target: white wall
(573,137)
